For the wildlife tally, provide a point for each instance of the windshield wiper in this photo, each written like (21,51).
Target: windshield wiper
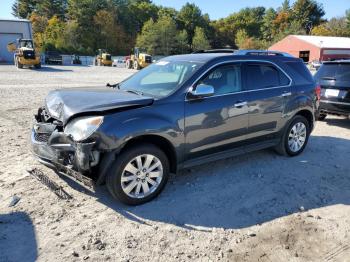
(134,92)
(113,86)
(329,78)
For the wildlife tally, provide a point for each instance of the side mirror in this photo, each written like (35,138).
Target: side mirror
(202,91)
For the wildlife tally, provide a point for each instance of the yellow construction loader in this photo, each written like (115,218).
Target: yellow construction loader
(103,58)
(24,53)
(138,59)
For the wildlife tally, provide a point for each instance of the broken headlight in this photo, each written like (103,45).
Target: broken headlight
(82,127)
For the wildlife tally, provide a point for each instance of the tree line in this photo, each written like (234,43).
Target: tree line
(83,26)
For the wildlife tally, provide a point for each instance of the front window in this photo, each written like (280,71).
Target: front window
(224,79)
(162,78)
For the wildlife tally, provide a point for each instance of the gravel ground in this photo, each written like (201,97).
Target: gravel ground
(256,207)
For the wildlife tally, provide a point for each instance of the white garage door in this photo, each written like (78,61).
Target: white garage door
(6,56)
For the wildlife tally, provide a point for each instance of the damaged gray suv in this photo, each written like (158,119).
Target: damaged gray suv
(179,112)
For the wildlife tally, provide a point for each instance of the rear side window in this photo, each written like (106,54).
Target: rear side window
(299,72)
(339,72)
(260,76)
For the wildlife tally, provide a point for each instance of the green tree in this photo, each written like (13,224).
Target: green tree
(166,28)
(200,41)
(50,8)
(148,37)
(190,17)
(334,27)
(23,8)
(39,24)
(182,42)
(54,32)
(267,27)
(141,11)
(159,38)
(308,13)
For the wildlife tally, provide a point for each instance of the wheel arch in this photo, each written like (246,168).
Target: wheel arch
(164,144)
(308,115)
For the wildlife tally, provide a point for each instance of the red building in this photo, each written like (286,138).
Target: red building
(310,48)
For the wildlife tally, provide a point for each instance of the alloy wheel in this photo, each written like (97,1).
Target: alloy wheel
(142,176)
(297,137)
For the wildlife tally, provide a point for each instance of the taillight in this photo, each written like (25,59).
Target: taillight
(318,92)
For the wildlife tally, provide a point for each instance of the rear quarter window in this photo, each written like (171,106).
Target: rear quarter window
(299,72)
(262,75)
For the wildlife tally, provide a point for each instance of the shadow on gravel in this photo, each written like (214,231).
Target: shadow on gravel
(52,69)
(340,122)
(17,238)
(250,189)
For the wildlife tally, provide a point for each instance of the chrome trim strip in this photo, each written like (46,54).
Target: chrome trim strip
(286,94)
(240,104)
(335,102)
(245,91)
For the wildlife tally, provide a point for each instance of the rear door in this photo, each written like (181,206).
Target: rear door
(268,89)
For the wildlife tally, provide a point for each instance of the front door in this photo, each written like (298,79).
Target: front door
(217,123)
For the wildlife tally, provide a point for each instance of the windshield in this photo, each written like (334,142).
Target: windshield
(336,71)
(161,78)
(28,44)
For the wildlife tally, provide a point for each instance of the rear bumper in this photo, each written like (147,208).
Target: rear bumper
(335,107)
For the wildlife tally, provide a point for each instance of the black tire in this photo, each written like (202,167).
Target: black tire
(322,117)
(128,64)
(113,180)
(136,65)
(283,148)
(18,64)
(38,66)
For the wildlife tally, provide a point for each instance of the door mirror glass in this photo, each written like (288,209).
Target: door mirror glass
(201,91)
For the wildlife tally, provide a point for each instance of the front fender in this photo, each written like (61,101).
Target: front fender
(119,128)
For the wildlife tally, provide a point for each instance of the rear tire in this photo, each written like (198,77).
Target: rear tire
(295,137)
(322,117)
(128,180)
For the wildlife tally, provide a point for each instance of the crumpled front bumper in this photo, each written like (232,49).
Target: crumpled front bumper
(58,151)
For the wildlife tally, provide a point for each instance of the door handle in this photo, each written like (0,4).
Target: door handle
(240,104)
(286,94)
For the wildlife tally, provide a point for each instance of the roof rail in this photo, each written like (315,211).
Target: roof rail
(212,51)
(243,52)
(262,52)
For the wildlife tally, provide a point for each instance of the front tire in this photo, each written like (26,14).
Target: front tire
(295,137)
(136,65)
(18,64)
(138,174)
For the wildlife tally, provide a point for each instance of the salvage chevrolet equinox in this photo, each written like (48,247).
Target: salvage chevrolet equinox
(179,112)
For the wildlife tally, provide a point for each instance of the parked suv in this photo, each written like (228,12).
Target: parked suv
(53,57)
(179,112)
(334,79)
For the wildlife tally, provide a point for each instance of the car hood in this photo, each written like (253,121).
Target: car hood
(65,103)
